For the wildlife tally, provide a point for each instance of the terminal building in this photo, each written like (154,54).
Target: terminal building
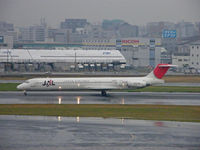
(138,52)
(60,60)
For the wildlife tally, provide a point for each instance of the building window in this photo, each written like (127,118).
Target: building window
(192,63)
(197,55)
(197,47)
(179,59)
(192,47)
(192,55)
(197,63)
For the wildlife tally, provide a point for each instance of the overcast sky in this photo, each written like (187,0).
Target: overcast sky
(139,12)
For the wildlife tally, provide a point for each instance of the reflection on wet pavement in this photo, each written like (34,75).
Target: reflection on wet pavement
(96,98)
(33,132)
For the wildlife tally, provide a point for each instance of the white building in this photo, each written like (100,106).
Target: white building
(48,56)
(181,61)
(186,60)
(59,60)
(195,55)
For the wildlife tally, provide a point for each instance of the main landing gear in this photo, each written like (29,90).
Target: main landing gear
(25,93)
(103,93)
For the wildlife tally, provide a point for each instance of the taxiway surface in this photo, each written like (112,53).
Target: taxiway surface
(32,132)
(96,98)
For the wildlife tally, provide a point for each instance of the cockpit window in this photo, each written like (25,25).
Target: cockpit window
(26,82)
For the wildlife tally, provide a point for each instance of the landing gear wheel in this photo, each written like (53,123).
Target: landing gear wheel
(103,93)
(25,93)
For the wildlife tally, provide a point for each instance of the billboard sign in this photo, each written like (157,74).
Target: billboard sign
(1,39)
(169,34)
(130,41)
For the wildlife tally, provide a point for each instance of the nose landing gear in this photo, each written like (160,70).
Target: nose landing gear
(25,93)
(103,93)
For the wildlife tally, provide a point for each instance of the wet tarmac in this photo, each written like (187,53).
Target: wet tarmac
(78,97)
(32,132)
(165,84)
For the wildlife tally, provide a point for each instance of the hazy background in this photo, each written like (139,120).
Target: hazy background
(138,12)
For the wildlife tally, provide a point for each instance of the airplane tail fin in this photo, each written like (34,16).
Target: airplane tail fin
(160,71)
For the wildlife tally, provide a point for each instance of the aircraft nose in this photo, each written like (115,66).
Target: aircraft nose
(20,87)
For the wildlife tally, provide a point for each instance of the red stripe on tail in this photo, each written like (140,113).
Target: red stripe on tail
(160,70)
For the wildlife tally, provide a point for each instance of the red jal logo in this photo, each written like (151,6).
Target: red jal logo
(48,83)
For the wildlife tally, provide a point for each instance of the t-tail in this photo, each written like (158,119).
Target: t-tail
(159,71)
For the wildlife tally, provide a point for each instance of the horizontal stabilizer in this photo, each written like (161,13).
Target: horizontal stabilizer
(167,65)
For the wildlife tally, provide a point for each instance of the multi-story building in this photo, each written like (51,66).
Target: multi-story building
(109,25)
(198,27)
(24,34)
(182,61)
(154,29)
(195,55)
(127,30)
(4,26)
(6,41)
(35,33)
(140,52)
(181,57)
(67,36)
(73,24)
(62,35)
(186,29)
(7,31)
(187,57)
(95,32)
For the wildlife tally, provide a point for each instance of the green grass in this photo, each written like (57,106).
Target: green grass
(8,86)
(12,87)
(144,112)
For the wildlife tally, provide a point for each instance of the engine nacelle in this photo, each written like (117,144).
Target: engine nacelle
(138,84)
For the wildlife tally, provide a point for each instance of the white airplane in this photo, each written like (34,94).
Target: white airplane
(95,83)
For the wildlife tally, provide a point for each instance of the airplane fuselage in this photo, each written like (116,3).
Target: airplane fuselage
(99,83)
(96,83)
